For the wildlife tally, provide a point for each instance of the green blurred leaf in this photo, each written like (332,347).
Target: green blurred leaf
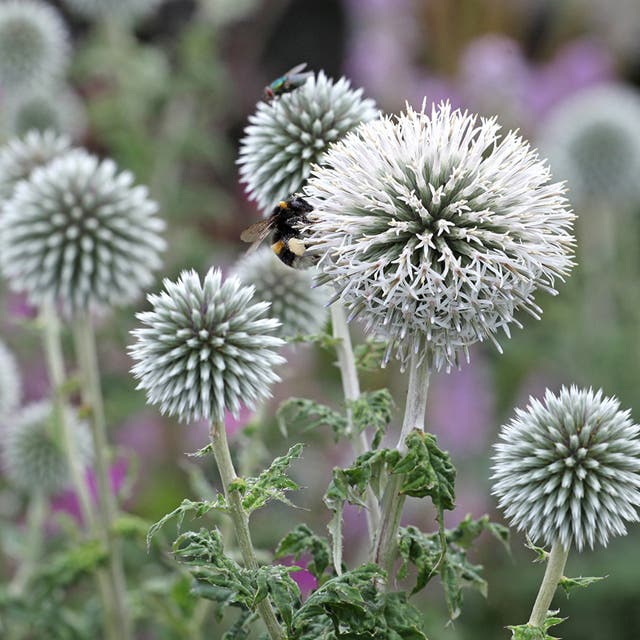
(569,584)
(302,540)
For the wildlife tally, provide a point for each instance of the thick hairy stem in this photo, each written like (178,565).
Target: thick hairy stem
(384,550)
(57,377)
(240,521)
(92,396)
(351,390)
(555,567)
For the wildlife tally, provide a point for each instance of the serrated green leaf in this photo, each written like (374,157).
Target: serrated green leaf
(302,540)
(369,354)
(301,414)
(468,530)
(568,584)
(373,409)
(196,508)
(541,553)
(275,581)
(201,453)
(529,632)
(271,484)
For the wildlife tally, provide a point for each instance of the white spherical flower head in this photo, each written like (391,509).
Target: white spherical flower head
(33,44)
(20,156)
(288,135)
(299,307)
(568,469)
(205,347)
(437,231)
(593,141)
(79,232)
(33,455)
(10,384)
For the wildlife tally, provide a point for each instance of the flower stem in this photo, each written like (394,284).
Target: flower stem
(384,550)
(240,520)
(552,575)
(55,365)
(351,390)
(36,514)
(92,396)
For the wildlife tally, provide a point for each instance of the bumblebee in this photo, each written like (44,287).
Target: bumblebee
(286,83)
(284,226)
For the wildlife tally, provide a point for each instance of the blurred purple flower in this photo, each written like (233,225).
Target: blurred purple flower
(18,306)
(304,579)
(435,89)
(471,498)
(579,64)
(143,434)
(461,408)
(68,502)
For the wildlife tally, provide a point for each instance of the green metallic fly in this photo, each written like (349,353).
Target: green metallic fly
(290,81)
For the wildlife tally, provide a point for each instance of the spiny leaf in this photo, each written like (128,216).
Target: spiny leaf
(67,567)
(322,340)
(568,584)
(373,409)
(304,415)
(369,354)
(541,553)
(468,530)
(197,508)
(529,632)
(201,453)
(271,484)
(275,581)
(303,540)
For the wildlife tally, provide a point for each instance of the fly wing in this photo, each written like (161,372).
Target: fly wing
(297,69)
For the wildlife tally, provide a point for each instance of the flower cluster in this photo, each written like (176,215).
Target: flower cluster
(80,233)
(437,231)
(205,347)
(288,135)
(568,469)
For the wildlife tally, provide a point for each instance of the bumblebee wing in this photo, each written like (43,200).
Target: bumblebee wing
(256,233)
(297,69)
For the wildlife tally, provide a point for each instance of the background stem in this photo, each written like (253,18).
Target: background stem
(384,550)
(240,520)
(351,390)
(555,568)
(92,396)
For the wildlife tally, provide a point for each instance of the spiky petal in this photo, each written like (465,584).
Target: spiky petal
(205,347)
(436,230)
(20,156)
(80,233)
(33,454)
(568,469)
(299,307)
(33,44)
(288,135)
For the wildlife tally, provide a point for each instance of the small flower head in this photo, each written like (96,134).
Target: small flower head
(437,230)
(289,134)
(51,107)
(33,455)
(33,44)
(593,141)
(9,383)
(205,347)
(299,307)
(80,233)
(568,469)
(20,156)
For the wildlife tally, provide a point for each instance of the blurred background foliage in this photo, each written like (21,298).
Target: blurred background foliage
(167,95)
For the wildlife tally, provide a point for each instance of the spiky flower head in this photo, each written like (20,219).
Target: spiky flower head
(20,156)
(205,347)
(436,230)
(568,469)
(288,135)
(33,44)
(50,107)
(79,232)
(33,454)
(592,139)
(125,10)
(9,382)
(294,301)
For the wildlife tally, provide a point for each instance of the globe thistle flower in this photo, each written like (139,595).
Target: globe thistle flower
(33,44)
(593,140)
(21,156)
(33,454)
(437,231)
(79,233)
(299,307)
(568,469)
(289,134)
(9,382)
(125,10)
(55,108)
(205,347)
